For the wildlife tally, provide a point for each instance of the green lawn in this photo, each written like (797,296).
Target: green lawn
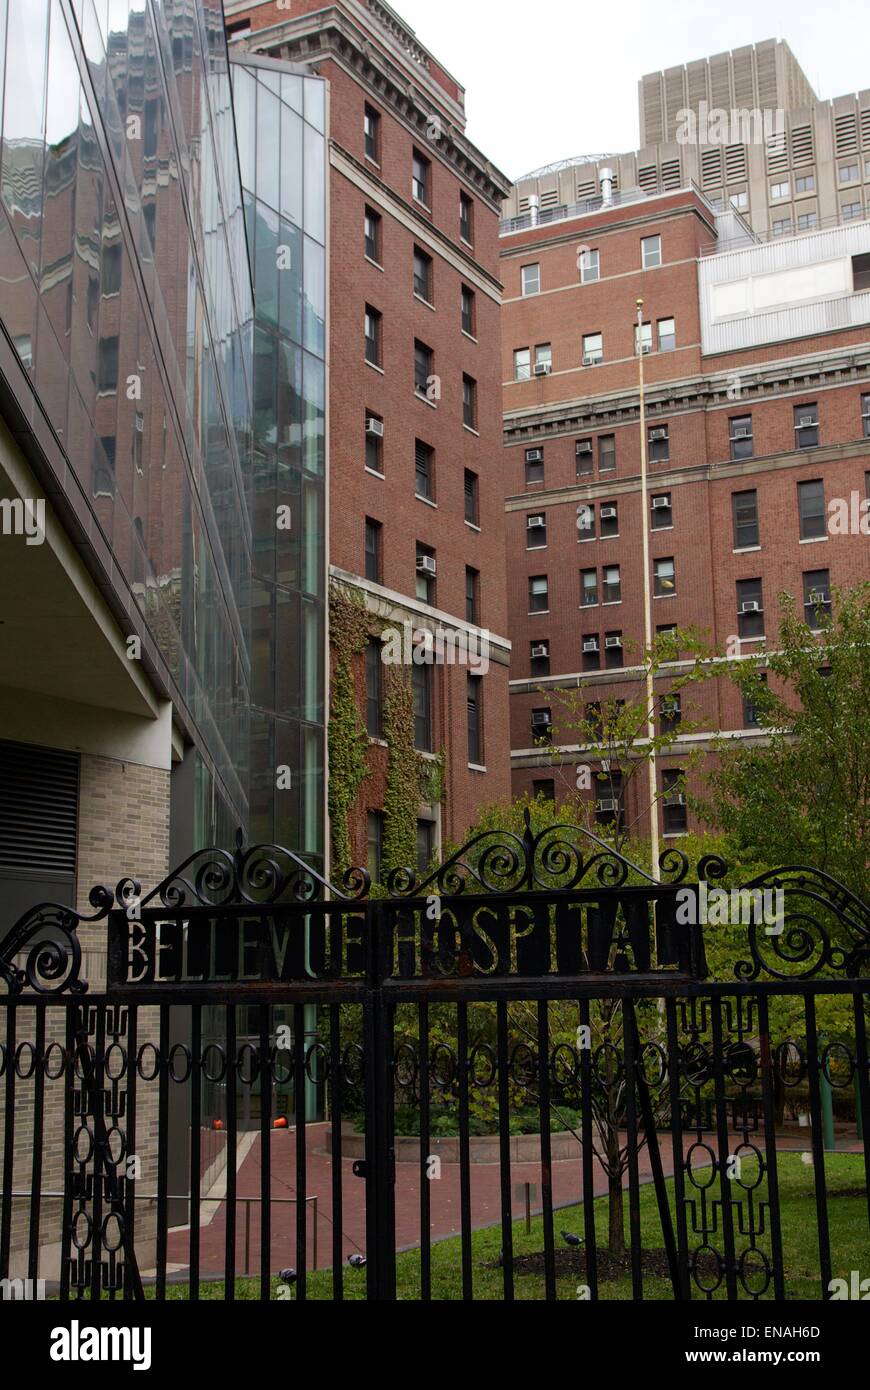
(849,1239)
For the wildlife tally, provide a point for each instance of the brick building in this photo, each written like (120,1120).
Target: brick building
(416,500)
(757,371)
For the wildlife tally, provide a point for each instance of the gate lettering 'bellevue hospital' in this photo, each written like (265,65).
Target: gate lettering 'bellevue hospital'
(246,974)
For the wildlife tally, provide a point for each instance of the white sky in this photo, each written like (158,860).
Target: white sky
(551,79)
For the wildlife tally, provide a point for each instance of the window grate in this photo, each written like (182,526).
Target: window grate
(39,793)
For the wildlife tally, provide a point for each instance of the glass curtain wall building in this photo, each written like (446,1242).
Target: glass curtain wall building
(281,123)
(126,292)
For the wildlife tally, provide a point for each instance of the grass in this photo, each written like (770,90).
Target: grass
(849,1240)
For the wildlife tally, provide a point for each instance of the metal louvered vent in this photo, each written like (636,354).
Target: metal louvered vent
(39,793)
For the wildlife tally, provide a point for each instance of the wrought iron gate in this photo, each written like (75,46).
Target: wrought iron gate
(531,975)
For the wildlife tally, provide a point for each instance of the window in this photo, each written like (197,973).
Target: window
(667,332)
(531,279)
(662,511)
(740,437)
(425,846)
(593,349)
(848,173)
(806,425)
(375,832)
(780,190)
(750,608)
(806,220)
(740,201)
(744,516)
(590,269)
(426,572)
(613,651)
(467,310)
(373,550)
(861,272)
(421,683)
(591,652)
(534,466)
(372,133)
(670,713)
(674,813)
(664,578)
(542,726)
(865,415)
(586,521)
(420,174)
(817,597)
(539,658)
(584,457)
(372,235)
(536,531)
(539,596)
(609,808)
(543,359)
(424,470)
(751,718)
(374,443)
(472,596)
(522,364)
(782,226)
(811,510)
(472,513)
(848,211)
(545,790)
(659,443)
(475,721)
(374,689)
(112,267)
(805,183)
(611,584)
(107,364)
(423,360)
(466,218)
(422,275)
(469,402)
(588,588)
(651,251)
(642,338)
(373,336)
(609,520)
(606,453)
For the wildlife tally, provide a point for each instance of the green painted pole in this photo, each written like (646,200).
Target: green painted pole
(827,1097)
(859,1112)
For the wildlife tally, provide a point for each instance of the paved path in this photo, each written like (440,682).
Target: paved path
(444,1194)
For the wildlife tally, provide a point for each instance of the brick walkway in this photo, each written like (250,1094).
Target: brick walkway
(444,1195)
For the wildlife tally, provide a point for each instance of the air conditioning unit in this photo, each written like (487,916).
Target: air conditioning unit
(534,456)
(670,708)
(541,652)
(676,799)
(806,422)
(742,432)
(645,348)
(375,427)
(609,513)
(541,720)
(817,598)
(584,446)
(590,359)
(426,564)
(140,422)
(752,607)
(534,522)
(608,805)
(543,368)
(661,504)
(590,644)
(655,435)
(613,642)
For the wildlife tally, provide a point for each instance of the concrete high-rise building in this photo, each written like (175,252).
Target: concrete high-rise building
(414,435)
(747,129)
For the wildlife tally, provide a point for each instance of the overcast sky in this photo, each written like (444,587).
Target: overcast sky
(551,79)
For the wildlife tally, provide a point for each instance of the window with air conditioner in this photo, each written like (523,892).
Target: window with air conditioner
(534,459)
(670,712)
(542,725)
(806,425)
(591,646)
(609,517)
(427,571)
(661,511)
(643,342)
(374,443)
(658,443)
(539,660)
(593,349)
(817,598)
(674,809)
(536,531)
(585,460)
(750,609)
(543,359)
(609,807)
(740,437)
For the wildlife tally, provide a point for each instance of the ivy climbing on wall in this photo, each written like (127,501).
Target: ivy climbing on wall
(348,740)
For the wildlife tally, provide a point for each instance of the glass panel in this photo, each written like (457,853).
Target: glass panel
(268,165)
(315,192)
(291,164)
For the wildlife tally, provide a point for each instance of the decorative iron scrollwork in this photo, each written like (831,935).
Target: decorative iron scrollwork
(822,927)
